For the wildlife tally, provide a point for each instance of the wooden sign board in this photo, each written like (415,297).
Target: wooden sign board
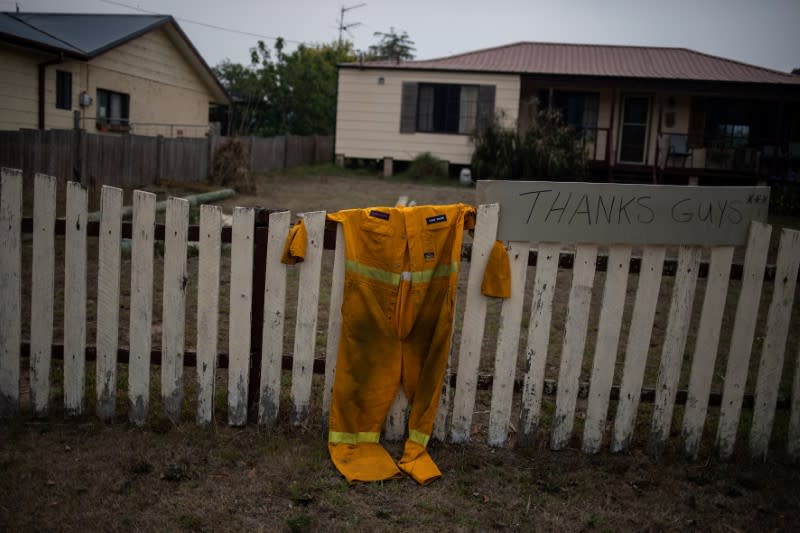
(605,213)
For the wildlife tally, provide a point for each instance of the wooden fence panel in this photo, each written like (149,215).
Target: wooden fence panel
(473,324)
(42,290)
(538,341)
(575,327)
(10,289)
(210,247)
(141,306)
(266,153)
(274,316)
(108,285)
(772,352)
(75,298)
(674,345)
(744,326)
(143,160)
(705,351)
(174,306)
(185,159)
(305,336)
(508,346)
(241,300)
(641,329)
(606,347)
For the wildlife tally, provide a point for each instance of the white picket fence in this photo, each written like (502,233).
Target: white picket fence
(453,422)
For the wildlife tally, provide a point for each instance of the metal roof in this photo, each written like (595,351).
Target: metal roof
(85,36)
(82,34)
(597,60)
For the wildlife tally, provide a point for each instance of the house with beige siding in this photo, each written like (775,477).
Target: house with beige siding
(664,115)
(116,74)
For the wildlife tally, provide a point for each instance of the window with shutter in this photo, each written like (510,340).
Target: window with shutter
(63,89)
(445,107)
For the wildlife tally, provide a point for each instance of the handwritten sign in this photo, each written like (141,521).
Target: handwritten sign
(603,213)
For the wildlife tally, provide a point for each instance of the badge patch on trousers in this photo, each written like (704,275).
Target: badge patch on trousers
(430,256)
(436,218)
(379,214)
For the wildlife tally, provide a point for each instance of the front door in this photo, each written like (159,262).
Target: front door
(633,135)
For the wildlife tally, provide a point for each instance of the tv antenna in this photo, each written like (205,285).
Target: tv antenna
(346,27)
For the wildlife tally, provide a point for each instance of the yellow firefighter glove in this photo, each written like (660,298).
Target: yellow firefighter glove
(497,276)
(294,250)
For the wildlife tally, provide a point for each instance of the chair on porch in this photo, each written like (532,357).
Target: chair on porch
(678,149)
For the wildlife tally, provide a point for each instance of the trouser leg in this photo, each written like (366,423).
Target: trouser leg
(425,354)
(367,378)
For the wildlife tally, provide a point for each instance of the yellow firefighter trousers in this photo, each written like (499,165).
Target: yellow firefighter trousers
(401,273)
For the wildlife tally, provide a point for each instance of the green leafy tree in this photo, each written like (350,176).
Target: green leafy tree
(392,46)
(286,92)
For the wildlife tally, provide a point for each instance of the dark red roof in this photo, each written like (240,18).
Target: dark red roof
(598,60)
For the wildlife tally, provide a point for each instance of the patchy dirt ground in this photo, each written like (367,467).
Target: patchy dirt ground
(67,475)
(79,475)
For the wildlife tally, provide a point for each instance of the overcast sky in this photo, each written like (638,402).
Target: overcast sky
(760,32)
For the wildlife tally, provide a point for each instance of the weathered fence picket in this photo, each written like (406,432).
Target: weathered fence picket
(173,318)
(42,290)
(607,346)
(538,341)
(680,313)
(618,267)
(641,328)
(141,308)
(508,347)
(75,298)
(108,285)
(274,315)
(577,322)
(705,350)
(473,325)
(744,327)
(241,299)
(305,336)
(771,364)
(10,289)
(208,271)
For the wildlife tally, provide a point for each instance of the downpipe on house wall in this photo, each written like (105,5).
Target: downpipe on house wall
(42,82)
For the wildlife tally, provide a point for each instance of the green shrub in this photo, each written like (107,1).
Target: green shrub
(426,165)
(548,150)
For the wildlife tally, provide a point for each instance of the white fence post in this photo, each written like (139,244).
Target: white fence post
(641,329)
(42,290)
(241,299)
(141,316)
(680,314)
(473,324)
(75,298)
(108,285)
(305,337)
(705,351)
(10,289)
(580,298)
(274,317)
(744,326)
(174,306)
(772,351)
(508,346)
(208,270)
(538,341)
(606,347)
